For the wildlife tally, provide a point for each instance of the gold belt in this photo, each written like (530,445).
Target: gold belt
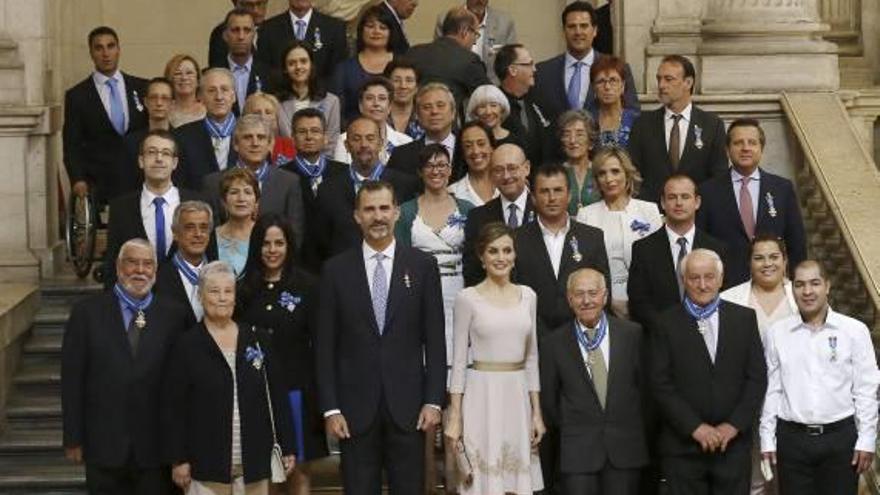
(491,366)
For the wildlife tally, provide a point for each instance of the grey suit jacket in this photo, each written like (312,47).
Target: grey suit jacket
(281,193)
(500,31)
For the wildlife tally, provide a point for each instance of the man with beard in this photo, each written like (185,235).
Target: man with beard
(112,357)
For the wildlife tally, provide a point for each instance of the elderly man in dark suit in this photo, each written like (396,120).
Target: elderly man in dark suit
(206,144)
(563,82)
(678,137)
(217,49)
(449,58)
(98,113)
(750,201)
(280,191)
(115,346)
(147,213)
(602,445)
(496,30)
(400,11)
(325,34)
(381,351)
(251,75)
(509,169)
(708,378)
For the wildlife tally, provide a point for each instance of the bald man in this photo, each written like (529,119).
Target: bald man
(708,378)
(602,446)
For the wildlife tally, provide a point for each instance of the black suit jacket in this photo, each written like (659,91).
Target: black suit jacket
(477,217)
(339,231)
(689,389)
(405,158)
(125,222)
(218,50)
(538,141)
(276,34)
(444,60)
(196,411)
(196,157)
(590,436)
(550,89)
(405,366)
(110,399)
(653,286)
(310,251)
(533,268)
(93,150)
(258,80)
(647,147)
(397,42)
(719,216)
(169,286)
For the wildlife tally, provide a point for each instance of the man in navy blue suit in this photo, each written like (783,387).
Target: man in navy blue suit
(750,201)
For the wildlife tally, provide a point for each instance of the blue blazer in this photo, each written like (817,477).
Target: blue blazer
(778,214)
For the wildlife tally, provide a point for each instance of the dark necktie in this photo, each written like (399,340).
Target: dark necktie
(682,252)
(675,142)
(512,220)
(158,202)
(133,334)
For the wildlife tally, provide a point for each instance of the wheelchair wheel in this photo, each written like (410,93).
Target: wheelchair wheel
(80,230)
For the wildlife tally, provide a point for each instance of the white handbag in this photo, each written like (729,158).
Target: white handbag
(275,462)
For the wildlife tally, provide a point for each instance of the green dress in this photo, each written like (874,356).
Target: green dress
(581,197)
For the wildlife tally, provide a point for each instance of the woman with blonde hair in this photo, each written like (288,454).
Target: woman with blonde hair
(268,107)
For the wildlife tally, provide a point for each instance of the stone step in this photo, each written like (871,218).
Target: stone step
(30,406)
(39,374)
(42,475)
(17,441)
(44,345)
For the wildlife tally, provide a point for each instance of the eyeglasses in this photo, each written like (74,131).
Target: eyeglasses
(436,165)
(510,169)
(475,32)
(612,82)
(154,152)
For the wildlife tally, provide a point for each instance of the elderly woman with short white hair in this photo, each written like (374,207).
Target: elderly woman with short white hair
(489,105)
(220,420)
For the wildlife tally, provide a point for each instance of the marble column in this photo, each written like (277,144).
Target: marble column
(675,31)
(765,46)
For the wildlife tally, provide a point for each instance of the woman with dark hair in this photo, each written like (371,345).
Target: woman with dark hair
(373,55)
(613,121)
(404,78)
(576,138)
(301,88)
(277,295)
(475,143)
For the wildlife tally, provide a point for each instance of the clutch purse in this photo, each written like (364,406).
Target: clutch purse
(277,465)
(463,463)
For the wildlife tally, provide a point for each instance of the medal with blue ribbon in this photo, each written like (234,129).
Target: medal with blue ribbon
(313,171)
(136,306)
(832,344)
(575,249)
(262,173)
(191,273)
(701,313)
(220,130)
(587,344)
(374,175)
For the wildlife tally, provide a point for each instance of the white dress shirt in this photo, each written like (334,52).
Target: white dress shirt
(683,124)
(710,334)
(293,18)
(242,78)
(448,142)
(371,262)
(100,81)
(481,40)
(555,243)
(810,383)
(463,189)
(604,346)
(520,203)
(754,188)
(585,74)
(673,242)
(192,291)
(148,213)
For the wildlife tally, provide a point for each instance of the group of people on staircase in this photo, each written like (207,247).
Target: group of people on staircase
(445,248)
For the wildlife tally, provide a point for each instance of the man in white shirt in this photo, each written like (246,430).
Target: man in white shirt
(819,424)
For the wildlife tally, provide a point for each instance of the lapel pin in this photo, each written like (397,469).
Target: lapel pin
(406,280)
(576,252)
(318,44)
(137,101)
(698,137)
(771,206)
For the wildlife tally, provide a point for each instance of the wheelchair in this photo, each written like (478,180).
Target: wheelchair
(83,220)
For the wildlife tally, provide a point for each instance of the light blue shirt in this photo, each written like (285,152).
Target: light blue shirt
(754,188)
(242,75)
(585,74)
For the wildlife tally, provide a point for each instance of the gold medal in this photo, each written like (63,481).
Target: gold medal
(141,320)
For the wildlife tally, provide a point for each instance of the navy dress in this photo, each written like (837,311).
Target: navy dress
(284,308)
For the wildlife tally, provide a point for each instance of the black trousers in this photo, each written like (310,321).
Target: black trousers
(816,465)
(608,481)
(548,451)
(127,480)
(709,474)
(384,446)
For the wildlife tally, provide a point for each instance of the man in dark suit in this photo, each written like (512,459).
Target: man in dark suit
(750,201)
(98,113)
(708,378)
(178,280)
(206,145)
(280,192)
(325,34)
(381,351)
(563,82)
(217,49)
(313,168)
(515,68)
(336,195)
(678,137)
(654,284)
(112,357)
(449,59)
(509,169)
(400,11)
(602,445)
(435,107)
(158,97)
(147,213)
(251,75)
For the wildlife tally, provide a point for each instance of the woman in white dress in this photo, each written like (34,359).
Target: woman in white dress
(476,144)
(495,419)
(769,294)
(622,218)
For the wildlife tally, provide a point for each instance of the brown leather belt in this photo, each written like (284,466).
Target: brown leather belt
(492,366)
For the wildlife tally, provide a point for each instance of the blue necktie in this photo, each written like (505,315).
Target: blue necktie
(380,292)
(300,30)
(117,111)
(574,87)
(512,220)
(158,202)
